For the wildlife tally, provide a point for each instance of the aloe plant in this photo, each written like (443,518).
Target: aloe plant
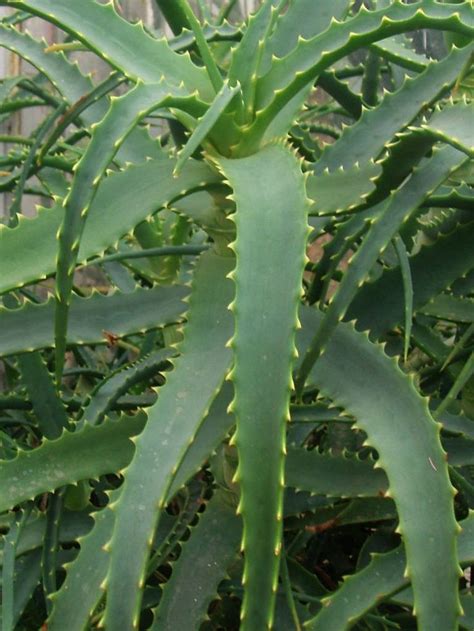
(261,417)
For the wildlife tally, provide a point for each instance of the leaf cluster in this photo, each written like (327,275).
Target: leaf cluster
(237,337)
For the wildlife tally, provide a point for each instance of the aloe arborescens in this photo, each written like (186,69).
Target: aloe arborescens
(279,409)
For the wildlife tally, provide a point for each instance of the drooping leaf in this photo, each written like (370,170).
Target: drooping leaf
(381,578)
(418,475)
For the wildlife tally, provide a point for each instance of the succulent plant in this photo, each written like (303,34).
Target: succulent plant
(283,351)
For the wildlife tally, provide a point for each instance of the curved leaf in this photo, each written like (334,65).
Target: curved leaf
(383,228)
(89,21)
(393,114)
(40,470)
(173,423)
(123,116)
(417,470)
(68,79)
(108,391)
(290,74)
(380,579)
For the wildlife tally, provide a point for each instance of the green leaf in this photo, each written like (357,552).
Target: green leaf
(341,190)
(265,311)
(93,558)
(202,45)
(288,76)
(50,413)
(128,197)
(340,91)
(446,307)
(396,50)
(72,526)
(73,86)
(26,577)
(453,124)
(43,129)
(336,476)
(391,216)
(179,412)
(88,23)
(31,327)
(247,57)
(205,556)
(417,471)
(302,20)
(207,122)
(459,345)
(55,463)
(123,116)
(64,75)
(345,237)
(403,155)
(457,423)
(68,610)
(103,89)
(210,434)
(359,144)
(108,391)
(8,571)
(174,15)
(405,598)
(380,579)
(371,79)
(407,290)
(378,306)
(461,380)
(460,449)
(49,556)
